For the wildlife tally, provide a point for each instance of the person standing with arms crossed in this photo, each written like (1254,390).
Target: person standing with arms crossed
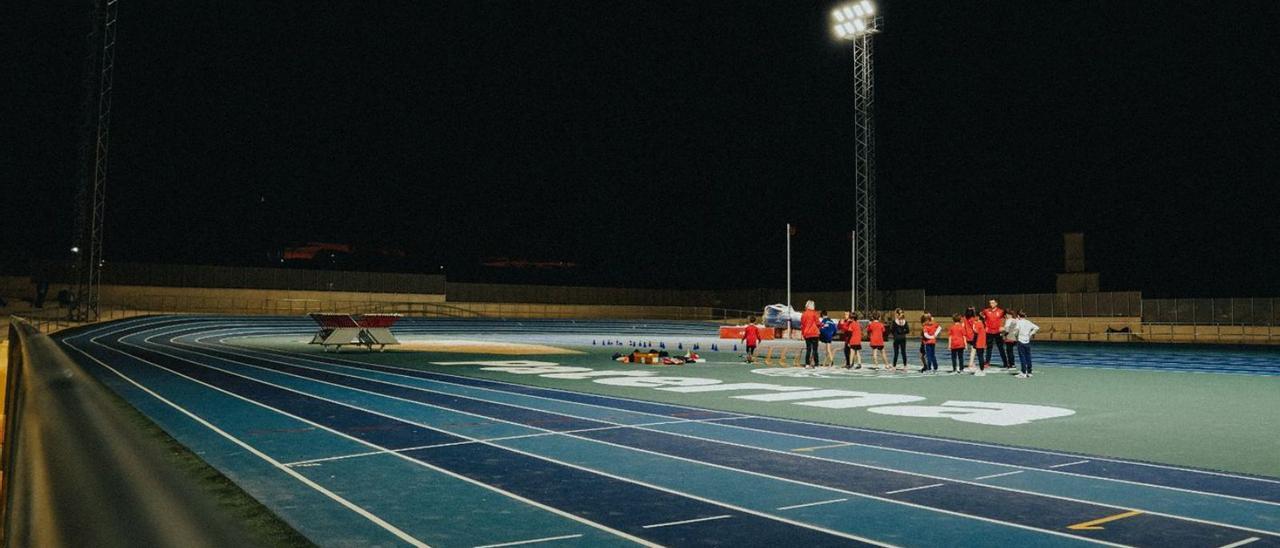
(993,319)
(900,331)
(809,330)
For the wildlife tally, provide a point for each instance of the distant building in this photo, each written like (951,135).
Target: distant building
(1075,279)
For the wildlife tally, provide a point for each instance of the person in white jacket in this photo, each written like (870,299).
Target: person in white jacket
(1025,329)
(1009,339)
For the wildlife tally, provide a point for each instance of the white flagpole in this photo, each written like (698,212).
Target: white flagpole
(789,272)
(853,276)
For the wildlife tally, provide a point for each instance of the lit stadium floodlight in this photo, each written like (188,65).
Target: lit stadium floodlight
(856,23)
(853,20)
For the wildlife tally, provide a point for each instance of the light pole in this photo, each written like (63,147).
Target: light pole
(857,22)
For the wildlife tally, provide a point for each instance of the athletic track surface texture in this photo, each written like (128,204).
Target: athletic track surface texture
(354,453)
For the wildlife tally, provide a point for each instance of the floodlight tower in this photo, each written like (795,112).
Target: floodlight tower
(857,22)
(92,194)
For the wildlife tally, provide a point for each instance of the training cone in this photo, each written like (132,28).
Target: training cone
(662,345)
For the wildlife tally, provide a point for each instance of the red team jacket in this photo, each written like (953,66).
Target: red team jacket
(994,318)
(855,334)
(933,329)
(809,324)
(875,330)
(751,335)
(980,341)
(957,333)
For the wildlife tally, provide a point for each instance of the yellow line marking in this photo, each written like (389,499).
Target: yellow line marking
(1093,525)
(822,447)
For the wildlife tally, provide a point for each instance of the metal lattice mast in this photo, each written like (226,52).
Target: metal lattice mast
(857,23)
(863,179)
(93,191)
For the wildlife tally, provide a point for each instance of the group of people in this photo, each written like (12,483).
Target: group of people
(975,332)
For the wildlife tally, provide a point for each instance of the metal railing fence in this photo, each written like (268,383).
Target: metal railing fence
(78,473)
(1223,311)
(1046,305)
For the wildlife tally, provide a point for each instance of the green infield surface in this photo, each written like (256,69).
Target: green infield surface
(1227,422)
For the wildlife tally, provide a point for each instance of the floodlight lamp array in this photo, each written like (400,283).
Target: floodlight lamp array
(853,19)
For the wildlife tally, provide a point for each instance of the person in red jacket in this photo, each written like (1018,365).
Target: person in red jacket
(751,337)
(956,336)
(809,330)
(843,334)
(875,334)
(929,341)
(853,345)
(979,347)
(993,319)
(971,334)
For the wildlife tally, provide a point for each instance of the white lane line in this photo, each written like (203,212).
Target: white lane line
(148,341)
(931,486)
(1066,464)
(316,462)
(530,541)
(423,464)
(310,462)
(302,357)
(807,504)
(670,523)
(255,452)
(1240,542)
(364,366)
(999,475)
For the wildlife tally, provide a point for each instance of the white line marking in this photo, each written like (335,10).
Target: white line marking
(637,540)
(530,541)
(999,475)
(450,473)
(1240,542)
(931,486)
(807,504)
(308,462)
(670,523)
(726,443)
(364,366)
(365,369)
(1066,464)
(302,357)
(303,479)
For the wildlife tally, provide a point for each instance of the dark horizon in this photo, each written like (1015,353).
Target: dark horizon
(659,144)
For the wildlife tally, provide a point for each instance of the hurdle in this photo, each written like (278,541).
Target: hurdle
(367,330)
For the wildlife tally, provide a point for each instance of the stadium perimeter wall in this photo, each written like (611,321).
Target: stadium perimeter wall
(1063,317)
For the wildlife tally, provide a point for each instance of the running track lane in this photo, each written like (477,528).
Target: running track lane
(1182,478)
(1175,477)
(1025,509)
(1237,512)
(621,505)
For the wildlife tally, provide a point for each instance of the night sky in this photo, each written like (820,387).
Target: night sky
(664,143)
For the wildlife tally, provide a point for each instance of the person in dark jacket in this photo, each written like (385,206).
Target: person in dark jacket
(900,330)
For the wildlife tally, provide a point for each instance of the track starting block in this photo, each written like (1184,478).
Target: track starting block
(367,330)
